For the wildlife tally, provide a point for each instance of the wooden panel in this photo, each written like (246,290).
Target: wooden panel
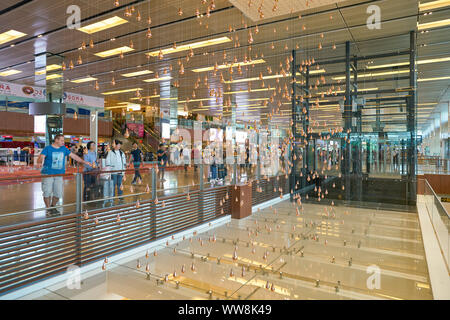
(14,123)
(105,128)
(22,123)
(81,127)
(439,182)
(420,185)
(241,201)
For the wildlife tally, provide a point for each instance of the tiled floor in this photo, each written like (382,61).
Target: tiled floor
(321,252)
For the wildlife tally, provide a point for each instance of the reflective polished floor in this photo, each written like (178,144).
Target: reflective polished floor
(319,252)
(21,199)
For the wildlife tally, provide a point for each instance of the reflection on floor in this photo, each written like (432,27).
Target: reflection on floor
(320,252)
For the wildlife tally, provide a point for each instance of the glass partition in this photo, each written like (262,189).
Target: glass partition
(440,219)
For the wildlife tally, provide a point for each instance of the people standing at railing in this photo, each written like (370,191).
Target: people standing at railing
(73,149)
(53,162)
(117,161)
(136,158)
(213,167)
(105,179)
(89,176)
(395,160)
(221,168)
(162,161)
(186,157)
(195,155)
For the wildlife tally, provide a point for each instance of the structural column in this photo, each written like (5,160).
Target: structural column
(49,74)
(93,126)
(411,123)
(348,104)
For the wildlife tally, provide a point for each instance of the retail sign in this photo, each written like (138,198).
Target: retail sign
(39,93)
(137,128)
(24,91)
(82,100)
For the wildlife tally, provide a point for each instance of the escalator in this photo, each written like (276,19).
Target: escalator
(128,142)
(152,136)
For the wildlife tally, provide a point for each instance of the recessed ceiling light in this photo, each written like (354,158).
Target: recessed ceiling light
(53,76)
(157,79)
(198,100)
(434,79)
(194,45)
(389,65)
(434,24)
(315,71)
(121,91)
(342,91)
(147,97)
(252,90)
(232,65)
(82,80)
(374,74)
(433,5)
(103,25)
(50,67)
(406,63)
(133,107)
(9,72)
(10,36)
(436,60)
(272,77)
(257,78)
(136,73)
(113,52)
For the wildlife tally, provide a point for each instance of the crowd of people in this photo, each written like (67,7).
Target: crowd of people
(104,167)
(103,170)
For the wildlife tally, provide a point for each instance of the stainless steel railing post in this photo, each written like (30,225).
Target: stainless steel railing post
(235,171)
(79,192)
(79,200)
(200,194)
(153,204)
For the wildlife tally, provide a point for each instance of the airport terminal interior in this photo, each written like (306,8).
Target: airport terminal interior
(224,150)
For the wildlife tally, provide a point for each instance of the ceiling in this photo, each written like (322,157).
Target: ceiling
(330,25)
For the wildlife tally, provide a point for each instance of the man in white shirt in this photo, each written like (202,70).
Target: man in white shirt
(117,161)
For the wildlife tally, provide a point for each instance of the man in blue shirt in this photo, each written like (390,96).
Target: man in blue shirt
(136,157)
(89,178)
(53,162)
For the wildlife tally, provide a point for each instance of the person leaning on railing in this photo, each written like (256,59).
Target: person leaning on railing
(53,162)
(89,176)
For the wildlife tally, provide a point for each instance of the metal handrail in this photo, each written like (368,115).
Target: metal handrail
(105,198)
(436,197)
